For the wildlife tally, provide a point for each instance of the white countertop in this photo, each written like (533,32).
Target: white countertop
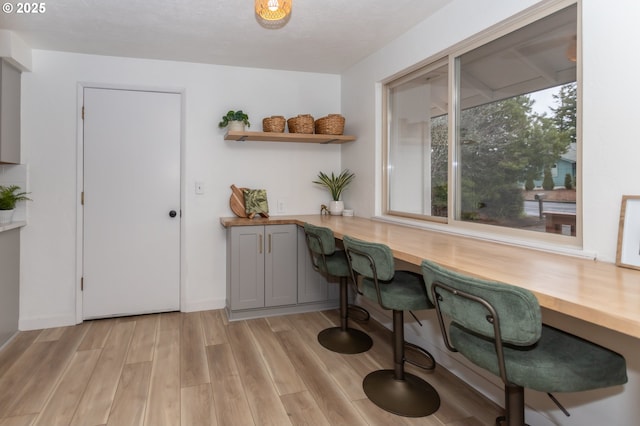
(13,225)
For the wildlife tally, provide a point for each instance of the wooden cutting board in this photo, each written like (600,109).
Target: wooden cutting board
(236,202)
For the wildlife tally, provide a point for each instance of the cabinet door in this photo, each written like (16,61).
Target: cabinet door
(312,285)
(9,113)
(247,267)
(10,283)
(281,266)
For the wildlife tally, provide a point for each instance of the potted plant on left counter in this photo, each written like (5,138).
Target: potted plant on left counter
(335,184)
(9,196)
(236,120)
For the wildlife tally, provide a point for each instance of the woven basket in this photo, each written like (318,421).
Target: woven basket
(301,124)
(332,124)
(275,123)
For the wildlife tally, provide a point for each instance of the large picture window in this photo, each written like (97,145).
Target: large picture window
(513,149)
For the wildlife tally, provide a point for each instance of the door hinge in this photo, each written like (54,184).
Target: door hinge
(82,198)
(81,283)
(83,112)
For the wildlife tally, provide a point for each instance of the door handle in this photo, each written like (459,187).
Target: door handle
(172,213)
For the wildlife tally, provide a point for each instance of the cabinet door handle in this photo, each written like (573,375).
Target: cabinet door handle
(269,243)
(260,243)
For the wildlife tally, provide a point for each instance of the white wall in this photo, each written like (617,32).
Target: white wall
(610,153)
(50,140)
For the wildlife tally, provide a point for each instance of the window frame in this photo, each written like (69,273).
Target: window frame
(432,66)
(450,56)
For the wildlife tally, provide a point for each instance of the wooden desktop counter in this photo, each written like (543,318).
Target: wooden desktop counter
(596,292)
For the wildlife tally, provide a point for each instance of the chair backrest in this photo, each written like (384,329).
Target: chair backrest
(320,239)
(518,309)
(372,260)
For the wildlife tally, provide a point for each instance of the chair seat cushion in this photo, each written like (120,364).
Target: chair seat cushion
(405,292)
(558,362)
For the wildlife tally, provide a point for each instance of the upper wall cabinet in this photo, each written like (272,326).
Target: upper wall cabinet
(286,137)
(9,113)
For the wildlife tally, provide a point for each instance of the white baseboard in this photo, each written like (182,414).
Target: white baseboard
(203,305)
(25,324)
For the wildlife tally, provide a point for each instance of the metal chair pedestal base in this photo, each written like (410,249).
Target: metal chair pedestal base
(411,397)
(397,391)
(349,341)
(344,339)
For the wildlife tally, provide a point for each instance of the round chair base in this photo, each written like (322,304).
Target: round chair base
(351,341)
(502,420)
(411,397)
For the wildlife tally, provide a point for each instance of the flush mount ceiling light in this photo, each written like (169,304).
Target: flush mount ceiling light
(273,14)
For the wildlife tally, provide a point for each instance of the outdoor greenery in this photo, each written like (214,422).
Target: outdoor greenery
(529,184)
(547,180)
(10,195)
(568,181)
(335,184)
(439,165)
(504,145)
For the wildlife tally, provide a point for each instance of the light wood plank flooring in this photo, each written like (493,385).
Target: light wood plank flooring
(198,369)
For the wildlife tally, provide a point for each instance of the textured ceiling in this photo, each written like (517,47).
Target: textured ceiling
(322,36)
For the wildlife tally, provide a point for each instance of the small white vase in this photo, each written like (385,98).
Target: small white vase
(6,216)
(336,207)
(236,126)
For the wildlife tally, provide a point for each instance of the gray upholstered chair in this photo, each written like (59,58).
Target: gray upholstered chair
(327,260)
(499,328)
(394,390)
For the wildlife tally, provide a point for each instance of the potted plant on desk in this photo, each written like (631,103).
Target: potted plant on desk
(335,185)
(9,196)
(236,120)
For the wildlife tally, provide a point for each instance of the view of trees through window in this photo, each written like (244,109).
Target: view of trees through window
(516,128)
(507,149)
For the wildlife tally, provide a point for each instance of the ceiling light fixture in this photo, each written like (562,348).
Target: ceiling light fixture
(273,14)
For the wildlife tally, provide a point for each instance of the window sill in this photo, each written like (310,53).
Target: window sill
(567,250)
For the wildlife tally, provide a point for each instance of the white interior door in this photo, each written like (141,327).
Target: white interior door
(131,247)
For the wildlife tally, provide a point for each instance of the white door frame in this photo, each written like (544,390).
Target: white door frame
(80,184)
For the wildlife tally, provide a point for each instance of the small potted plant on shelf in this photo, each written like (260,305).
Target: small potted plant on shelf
(336,185)
(9,196)
(236,120)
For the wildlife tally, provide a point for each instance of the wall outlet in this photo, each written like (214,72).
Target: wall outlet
(199,187)
(282,206)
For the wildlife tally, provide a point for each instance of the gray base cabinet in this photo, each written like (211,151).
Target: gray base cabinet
(9,113)
(10,283)
(269,273)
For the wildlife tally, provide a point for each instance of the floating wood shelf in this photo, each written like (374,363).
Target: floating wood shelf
(286,137)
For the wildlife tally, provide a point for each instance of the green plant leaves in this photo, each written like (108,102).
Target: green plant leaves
(234,116)
(9,197)
(335,184)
